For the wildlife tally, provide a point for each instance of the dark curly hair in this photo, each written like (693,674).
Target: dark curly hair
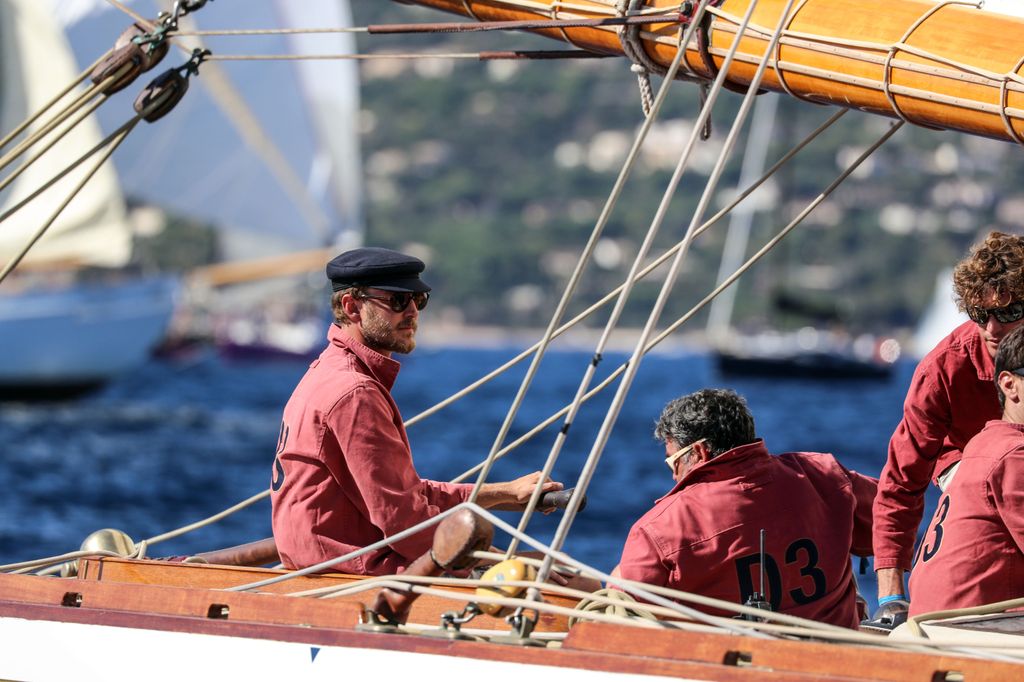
(719,416)
(996,264)
(1009,357)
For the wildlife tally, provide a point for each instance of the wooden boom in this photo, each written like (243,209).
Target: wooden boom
(946,65)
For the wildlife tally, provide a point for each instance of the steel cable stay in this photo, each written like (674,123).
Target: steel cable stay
(655,226)
(589,466)
(645,247)
(643,349)
(572,285)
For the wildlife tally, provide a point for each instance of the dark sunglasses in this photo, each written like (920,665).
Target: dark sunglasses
(1005,315)
(399,300)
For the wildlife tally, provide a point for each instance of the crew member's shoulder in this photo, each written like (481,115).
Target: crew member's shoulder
(816,464)
(959,343)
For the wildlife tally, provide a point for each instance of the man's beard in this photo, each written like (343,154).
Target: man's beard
(380,335)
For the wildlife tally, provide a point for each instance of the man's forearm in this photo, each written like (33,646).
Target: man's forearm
(501,495)
(890,582)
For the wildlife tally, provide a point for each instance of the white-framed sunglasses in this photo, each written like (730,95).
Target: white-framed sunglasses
(671,459)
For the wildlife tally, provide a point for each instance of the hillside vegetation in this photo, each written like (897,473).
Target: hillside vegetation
(496,172)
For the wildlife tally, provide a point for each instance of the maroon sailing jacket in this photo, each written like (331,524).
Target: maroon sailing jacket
(973,552)
(951,396)
(703,537)
(343,476)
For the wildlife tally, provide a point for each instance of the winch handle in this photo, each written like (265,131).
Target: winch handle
(559,499)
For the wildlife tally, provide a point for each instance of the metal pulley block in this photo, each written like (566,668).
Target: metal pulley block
(165,91)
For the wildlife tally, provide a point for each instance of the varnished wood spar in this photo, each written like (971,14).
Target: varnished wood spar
(960,34)
(426,610)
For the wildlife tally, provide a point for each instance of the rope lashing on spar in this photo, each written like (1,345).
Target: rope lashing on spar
(633,47)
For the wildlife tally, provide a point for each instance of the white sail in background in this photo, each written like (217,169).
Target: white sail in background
(35,64)
(940,318)
(331,92)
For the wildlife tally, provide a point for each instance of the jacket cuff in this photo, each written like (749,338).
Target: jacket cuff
(890,563)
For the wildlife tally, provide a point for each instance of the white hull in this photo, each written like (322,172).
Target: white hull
(84,335)
(43,650)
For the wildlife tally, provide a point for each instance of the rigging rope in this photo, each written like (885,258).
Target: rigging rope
(62,115)
(590,465)
(627,167)
(59,96)
(88,111)
(114,140)
(568,292)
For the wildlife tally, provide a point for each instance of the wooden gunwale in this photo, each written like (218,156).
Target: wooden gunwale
(426,610)
(589,646)
(937,65)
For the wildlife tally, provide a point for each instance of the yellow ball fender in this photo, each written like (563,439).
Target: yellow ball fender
(503,572)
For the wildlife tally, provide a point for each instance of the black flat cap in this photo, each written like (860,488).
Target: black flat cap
(375,267)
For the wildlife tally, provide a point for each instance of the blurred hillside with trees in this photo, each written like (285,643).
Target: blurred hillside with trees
(495,172)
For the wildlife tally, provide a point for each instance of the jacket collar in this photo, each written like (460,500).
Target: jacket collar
(744,461)
(380,367)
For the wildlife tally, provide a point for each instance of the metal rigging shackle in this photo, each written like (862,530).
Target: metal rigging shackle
(140,47)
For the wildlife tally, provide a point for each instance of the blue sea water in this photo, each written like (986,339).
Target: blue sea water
(176,442)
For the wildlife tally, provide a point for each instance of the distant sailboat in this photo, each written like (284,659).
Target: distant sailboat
(330,93)
(74,318)
(812,352)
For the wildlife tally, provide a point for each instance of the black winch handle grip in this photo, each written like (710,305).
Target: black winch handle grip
(559,499)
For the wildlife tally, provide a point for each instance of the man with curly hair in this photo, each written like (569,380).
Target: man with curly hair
(704,535)
(981,512)
(950,399)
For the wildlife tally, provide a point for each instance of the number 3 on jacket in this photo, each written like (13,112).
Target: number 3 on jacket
(803,553)
(278,478)
(926,550)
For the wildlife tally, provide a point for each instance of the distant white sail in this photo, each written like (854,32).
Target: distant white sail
(940,318)
(35,64)
(331,90)
(69,12)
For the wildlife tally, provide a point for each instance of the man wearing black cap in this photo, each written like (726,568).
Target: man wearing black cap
(343,477)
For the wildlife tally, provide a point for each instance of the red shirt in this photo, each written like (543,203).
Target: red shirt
(344,476)
(951,396)
(704,536)
(973,552)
